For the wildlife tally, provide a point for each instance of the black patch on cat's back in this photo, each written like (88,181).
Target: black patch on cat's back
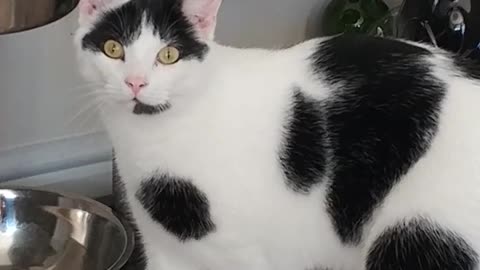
(380,121)
(178,205)
(353,57)
(124,23)
(420,245)
(303,153)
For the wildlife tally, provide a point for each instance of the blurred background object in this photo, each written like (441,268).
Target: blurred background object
(450,24)
(453,25)
(357,16)
(19,15)
(41,230)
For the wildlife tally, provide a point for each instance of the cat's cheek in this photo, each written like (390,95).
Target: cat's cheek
(112,71)
(90,74)
(164,78)
(88,67)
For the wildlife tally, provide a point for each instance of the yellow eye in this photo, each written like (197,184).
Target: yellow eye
(113,49)
(168,55)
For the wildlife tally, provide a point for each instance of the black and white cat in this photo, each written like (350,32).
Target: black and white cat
(341,153)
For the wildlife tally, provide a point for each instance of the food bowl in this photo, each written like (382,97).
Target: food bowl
(42,230)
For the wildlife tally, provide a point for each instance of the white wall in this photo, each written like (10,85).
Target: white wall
(266,23)
(38,78)
(41,91)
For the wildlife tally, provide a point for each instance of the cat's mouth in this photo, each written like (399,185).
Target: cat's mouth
(142,108)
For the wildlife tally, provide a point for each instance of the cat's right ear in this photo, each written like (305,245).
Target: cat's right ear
(89,9)
(203,15)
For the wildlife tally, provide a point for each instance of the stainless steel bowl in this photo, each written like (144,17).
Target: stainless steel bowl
(42,230)
(19,15)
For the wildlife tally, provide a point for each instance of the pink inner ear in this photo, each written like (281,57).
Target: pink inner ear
(206,23)
(201,8)
(203,22)
(203,14)
(86,7)
(89,7)
(211,7)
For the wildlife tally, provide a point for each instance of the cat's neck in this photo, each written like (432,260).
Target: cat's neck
(222,56)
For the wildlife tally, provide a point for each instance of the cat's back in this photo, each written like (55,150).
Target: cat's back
(351,59)
(402,123)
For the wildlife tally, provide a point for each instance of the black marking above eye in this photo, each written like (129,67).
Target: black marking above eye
(176,204)
(122,24)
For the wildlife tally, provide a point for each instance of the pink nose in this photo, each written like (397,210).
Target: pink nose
(136,83)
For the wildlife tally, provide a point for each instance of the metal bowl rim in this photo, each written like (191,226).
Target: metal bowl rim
(107,212)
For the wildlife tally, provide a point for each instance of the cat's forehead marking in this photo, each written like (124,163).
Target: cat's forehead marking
(146,46)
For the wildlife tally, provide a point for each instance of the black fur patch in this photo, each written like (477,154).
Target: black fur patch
(420,245)
(141,108)
(380,121)
(123,24)
(180,207)
(303,153)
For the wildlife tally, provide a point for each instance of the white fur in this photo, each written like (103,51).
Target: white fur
(223,132)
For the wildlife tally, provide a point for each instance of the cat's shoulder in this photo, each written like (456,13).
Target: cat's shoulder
(360,44)
(356,53)
(364,55)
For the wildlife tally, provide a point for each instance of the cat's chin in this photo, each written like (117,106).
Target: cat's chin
(142,108)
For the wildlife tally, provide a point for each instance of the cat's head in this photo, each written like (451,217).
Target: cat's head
(141,54)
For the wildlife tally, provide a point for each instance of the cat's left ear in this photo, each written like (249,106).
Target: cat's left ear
(90,9)
(203,15)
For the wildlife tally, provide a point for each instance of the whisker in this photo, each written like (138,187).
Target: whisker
(102,91)
(83,110)
(84,86)
(155,96)
(94,112)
